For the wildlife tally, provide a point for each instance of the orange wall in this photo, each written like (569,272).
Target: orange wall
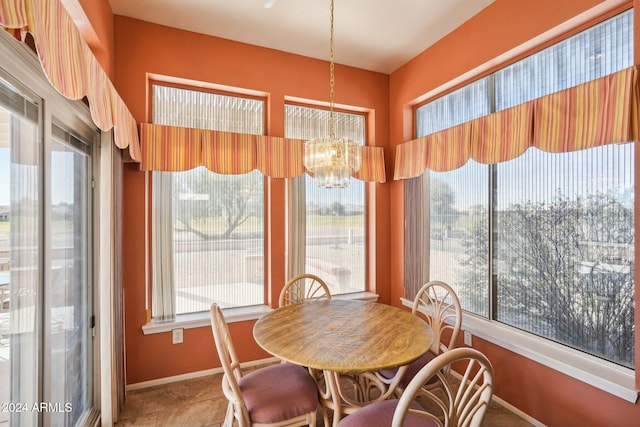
(142,48)
(545,394)
(552,398)
(94,19)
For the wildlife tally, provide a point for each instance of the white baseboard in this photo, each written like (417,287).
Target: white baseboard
(191,375)
(518,412)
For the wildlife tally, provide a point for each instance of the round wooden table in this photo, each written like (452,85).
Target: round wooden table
(344,337)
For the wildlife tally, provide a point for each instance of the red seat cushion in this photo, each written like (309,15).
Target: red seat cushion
(278,393)
(380,414)
(413,369)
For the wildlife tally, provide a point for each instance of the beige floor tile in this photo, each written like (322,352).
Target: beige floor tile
(199,402)
(198,414)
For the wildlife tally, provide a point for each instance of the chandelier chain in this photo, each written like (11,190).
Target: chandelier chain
(332,78)
(332,160)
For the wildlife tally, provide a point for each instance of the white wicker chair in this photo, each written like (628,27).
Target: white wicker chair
(304,287)
(439,305)
(453,406)
(274,396)
(301,288)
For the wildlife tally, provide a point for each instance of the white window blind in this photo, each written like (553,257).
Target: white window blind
(208,229)
(544,242)
(334,218)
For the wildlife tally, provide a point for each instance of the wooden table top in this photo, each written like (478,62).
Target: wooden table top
(345,336)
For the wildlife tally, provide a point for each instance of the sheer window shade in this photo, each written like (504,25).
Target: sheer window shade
(543,240)
(581,87)
(209,247)
(332,221)
(587,56)
(205,110)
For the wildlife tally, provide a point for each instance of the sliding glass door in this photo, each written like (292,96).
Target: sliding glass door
(46,297)
(20,255)
(68,313)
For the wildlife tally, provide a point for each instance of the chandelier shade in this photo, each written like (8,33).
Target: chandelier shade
(332,161)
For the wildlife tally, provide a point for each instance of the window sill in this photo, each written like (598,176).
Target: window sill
(363,296)
(240,314)
(203,318)
(606,376)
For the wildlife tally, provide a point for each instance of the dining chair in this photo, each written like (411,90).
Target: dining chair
(276,395)
(303,287)
(437,303)
(462,405)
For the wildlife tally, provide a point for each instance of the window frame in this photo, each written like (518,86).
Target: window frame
(607,376)
(241,314)
(195,319)
(22,69)
(298,189)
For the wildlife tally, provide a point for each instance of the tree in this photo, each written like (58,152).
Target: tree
(232,198)
(443,214)
(336,208)
(564,270)
(475,259)
(442,197)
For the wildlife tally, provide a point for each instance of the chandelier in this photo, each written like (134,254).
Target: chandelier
(331,159)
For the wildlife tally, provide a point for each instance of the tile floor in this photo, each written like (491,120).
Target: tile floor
(199,403)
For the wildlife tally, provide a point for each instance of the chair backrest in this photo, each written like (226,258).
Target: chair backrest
(304,287)
(461,406)
(439,303)
(230,364)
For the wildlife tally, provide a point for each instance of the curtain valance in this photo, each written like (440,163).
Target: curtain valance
(599,112)
(172,148)
(70,65)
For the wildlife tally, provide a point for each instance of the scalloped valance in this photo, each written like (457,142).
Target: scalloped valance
(172,148)
(70,65)
(599,112)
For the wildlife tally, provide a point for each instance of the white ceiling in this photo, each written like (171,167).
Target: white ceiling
(376,35)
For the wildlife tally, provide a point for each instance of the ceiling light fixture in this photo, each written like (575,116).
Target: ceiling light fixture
(332,160)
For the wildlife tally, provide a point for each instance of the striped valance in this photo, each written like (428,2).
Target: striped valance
(372,167)
(70,65)
(171,148)
(602,111)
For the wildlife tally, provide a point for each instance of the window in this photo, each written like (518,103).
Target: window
(68,309)
(46,270)
(334,234)
(208,229)
(545,242)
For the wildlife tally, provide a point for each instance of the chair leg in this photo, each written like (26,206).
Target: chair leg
(228,418)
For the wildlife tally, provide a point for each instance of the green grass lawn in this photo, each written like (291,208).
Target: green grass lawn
(334,221)
(217,225)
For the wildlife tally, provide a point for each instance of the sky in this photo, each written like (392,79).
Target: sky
(62,167)
(539,177)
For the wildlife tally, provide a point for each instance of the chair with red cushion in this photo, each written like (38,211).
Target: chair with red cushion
(439,305)
(302,288)
(277,395)
(451,406)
